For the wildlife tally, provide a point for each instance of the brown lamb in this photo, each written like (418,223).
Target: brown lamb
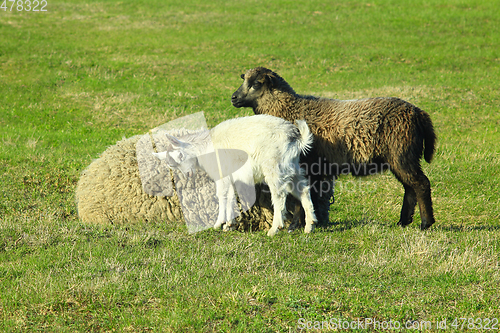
(361,137)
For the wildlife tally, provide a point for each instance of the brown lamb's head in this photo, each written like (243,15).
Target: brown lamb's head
(258,84)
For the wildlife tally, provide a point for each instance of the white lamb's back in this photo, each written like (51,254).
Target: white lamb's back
(260,136)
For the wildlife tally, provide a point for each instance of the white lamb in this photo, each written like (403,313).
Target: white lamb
(241,152)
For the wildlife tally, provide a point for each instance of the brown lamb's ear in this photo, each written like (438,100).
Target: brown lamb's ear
(270,78)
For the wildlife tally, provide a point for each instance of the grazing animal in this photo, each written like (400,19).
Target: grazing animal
(361,137)
(272,147)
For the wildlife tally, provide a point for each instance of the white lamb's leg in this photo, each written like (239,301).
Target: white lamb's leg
(221,192)
(230,208)
(227,204)
(279,199)
(300,190)
(309,210)
(244,185)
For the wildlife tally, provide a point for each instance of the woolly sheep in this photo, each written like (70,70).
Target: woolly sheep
(354,136)
(256,149)
(110,190)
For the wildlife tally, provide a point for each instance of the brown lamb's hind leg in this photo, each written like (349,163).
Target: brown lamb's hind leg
(423,189)
(409,203)
(417,189)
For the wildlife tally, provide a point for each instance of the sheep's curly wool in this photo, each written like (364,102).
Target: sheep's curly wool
(110,190)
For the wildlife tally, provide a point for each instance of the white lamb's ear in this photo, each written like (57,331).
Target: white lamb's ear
(177,156)
(176,143)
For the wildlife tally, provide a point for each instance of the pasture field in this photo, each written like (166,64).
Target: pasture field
(78,77)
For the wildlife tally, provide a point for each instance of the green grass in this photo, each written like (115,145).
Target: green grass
(79,77)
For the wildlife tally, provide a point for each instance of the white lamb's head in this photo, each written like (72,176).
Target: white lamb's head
(180,157)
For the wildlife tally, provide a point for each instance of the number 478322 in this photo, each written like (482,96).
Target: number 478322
(26,5)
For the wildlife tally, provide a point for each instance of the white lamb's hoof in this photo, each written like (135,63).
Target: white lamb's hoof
(232,224)
(217,226)
(272,232)
(309,228)
(227,227)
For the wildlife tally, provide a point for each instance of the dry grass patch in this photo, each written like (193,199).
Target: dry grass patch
(129,109)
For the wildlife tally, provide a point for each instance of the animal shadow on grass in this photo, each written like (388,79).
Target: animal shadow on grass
(465,228)
(340,226)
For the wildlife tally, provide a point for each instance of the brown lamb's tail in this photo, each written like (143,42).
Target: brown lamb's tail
(429,136)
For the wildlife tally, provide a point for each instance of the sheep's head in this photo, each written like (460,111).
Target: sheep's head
(258,83)
(180,156)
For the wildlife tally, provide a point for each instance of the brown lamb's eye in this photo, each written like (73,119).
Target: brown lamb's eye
(257,85)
